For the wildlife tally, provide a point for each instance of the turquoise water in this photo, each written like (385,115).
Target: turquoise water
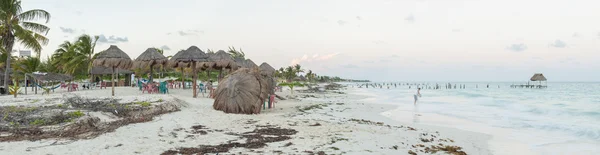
(550,118)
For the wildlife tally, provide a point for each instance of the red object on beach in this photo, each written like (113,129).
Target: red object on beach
(63,85)
(272,100)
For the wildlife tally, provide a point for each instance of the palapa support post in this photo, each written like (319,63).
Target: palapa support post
(194,77)
(112,80)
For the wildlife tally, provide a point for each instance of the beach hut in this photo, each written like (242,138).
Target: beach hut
(114,58)
(150,58)
(241,92)
(250,64)
(189,58)
(538,77)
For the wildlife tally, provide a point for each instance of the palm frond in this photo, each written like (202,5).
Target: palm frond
(28,38)
(35,27)
(34,14)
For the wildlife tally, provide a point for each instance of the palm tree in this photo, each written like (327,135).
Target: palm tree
(84,47)
(63,55)
(310,75)
(16,25)
(298,69)
(236,54)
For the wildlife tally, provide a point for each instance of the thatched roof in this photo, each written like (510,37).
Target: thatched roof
(148,58)
(240,62)
(52,77)
(250,64)
(113,57)
(266,69)
(106,70)
(241,92)
(185,57)
(218,60)
(538,77)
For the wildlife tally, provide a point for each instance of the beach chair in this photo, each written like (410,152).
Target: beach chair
(163,88)
(140,85)
(63,85)
(146,88)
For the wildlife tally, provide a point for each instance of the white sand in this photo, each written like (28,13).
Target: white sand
(335,135)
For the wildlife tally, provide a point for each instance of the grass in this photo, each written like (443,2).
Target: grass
(160,100)
(143,103)
(75,114)
(38,122)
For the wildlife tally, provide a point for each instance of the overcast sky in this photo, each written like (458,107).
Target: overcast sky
(380,40)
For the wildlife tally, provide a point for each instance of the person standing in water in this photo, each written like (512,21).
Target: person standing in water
(417,95)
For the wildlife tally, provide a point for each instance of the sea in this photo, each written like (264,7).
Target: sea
(563,118)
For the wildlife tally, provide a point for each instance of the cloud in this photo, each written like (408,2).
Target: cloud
(576,35)
(369,61)
(111,39)
(598,34)
(384,60)
(165,47)
(79,13)
(394,56)
(517,47)
(315,57)
(349,66)
(410,18)
(456,30)
(341,22)
(358,18)
(536,58)
(187,33)
(558,44)
(67,30)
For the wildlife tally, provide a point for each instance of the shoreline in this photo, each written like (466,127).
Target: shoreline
(496,144)
(335,122)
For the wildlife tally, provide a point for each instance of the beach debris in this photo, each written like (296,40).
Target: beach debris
(73,121)
(288,144)
(316,124)
(254,139)
(411,152)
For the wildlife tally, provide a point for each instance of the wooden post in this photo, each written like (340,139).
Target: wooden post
(194,77)
(182,78)
(112,77)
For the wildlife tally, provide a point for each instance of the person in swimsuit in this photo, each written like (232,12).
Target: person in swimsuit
(417,95)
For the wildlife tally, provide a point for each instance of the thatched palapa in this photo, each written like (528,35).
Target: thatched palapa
(250,64)
(114,58)
(266,69)
(219,60)
(241,92)
(150,58)
(538,77)
(189,58)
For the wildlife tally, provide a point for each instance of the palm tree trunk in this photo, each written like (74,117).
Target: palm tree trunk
(8,42)
(90,68)
(195,77)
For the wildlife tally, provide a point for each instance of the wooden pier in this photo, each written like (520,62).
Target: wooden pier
(528,86)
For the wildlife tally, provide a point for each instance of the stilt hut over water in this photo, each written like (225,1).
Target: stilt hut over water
(537,77)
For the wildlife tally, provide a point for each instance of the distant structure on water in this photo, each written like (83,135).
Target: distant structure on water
(537,77)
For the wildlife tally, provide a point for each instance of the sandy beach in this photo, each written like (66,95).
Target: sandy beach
(332,122)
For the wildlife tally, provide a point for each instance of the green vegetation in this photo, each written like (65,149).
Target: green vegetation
(292,85)
(143,103)
(75,114)
(17,26)
(38,122)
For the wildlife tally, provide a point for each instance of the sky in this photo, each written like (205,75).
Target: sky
(379,40)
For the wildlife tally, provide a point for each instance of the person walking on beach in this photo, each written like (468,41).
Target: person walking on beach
(417,95)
